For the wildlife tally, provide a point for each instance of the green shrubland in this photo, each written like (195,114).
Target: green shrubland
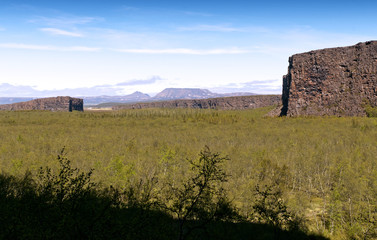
(315,174)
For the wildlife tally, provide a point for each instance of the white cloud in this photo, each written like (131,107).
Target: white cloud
(211,28)
(79,49)
(138,82)
(66,21)
(184,51)
(48,47)
(114,34)
(306,39)
(56,31)
(122,88)
(223,28)
(297,39)
(2,29)
(259,86)
(24,46)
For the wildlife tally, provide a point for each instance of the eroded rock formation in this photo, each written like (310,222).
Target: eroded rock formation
(66,104)
(334,81)
(226,103)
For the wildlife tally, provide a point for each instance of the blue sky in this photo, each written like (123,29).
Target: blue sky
(117,47)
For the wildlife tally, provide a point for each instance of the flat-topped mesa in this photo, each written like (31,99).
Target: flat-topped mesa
(334,81)
(64,104)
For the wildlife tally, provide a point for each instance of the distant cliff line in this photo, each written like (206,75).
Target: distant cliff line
(223,103)
(64,104)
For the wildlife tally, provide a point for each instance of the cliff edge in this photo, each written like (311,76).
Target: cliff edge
(335,81)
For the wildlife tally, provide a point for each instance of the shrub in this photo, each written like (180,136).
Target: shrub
(201,197)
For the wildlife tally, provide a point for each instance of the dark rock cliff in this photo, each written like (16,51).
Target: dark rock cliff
(226,103)
(334,81)
(66,104)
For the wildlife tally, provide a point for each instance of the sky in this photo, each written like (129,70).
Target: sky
(113,47)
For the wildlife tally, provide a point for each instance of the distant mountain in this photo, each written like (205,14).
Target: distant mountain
(166,94)
(10,100)
(131,98)
(184,93)
(194,93)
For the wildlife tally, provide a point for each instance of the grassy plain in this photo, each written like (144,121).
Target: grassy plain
(324,167)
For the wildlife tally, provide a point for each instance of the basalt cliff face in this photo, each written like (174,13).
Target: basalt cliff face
(225,103)
(65,104)
(334,81)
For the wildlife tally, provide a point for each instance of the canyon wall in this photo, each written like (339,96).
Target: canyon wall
(335,81)
(65,104)
(225,103)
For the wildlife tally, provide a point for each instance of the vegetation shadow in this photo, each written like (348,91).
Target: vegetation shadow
(31,210)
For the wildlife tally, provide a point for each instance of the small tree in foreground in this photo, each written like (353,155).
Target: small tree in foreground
(66,185)
(201,199)
(269,206)
(73,201)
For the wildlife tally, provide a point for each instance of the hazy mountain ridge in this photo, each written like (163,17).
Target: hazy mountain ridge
(184,93)
(166,94)
(10,100)
(134,97)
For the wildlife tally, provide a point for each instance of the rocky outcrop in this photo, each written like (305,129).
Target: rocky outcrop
(225,103)
(65,104)
(334,81)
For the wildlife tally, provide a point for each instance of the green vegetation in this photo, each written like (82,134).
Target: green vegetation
(371,111)
(315,174)
(67,205)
